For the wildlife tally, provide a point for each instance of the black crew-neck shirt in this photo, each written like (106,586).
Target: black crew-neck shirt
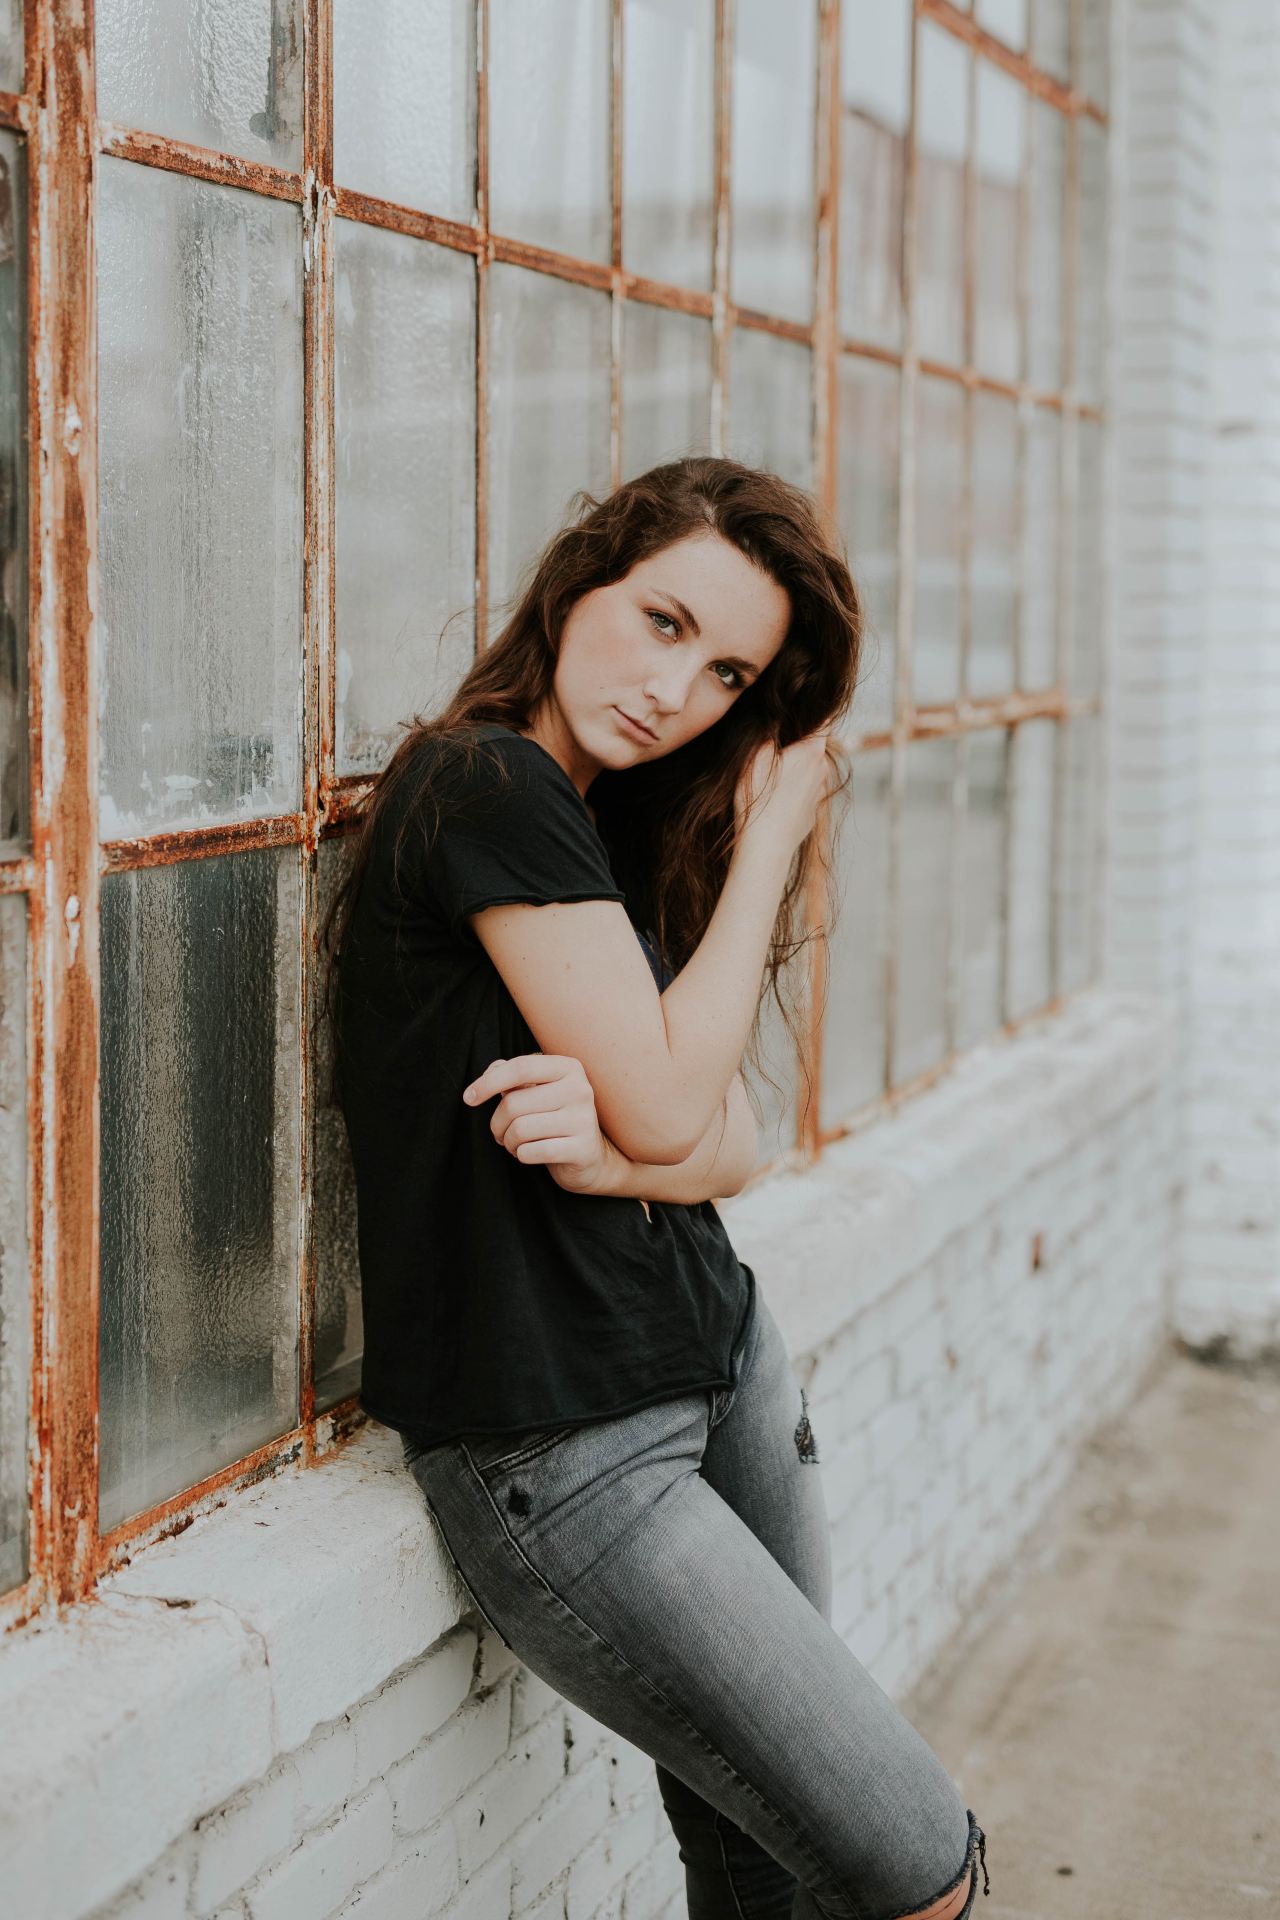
(494,1300)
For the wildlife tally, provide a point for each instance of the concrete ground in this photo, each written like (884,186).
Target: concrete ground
(1115,1721)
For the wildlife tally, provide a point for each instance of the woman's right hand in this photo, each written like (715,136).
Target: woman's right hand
(780,791)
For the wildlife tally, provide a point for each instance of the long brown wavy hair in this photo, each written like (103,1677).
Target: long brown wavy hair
(667,823)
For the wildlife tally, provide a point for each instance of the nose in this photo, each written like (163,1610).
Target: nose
(668,687)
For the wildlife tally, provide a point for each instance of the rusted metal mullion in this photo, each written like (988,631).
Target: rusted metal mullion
(16,111)
(721,318)
(564,266)
(200,163)
(902,696)
(319,728)
(483,258)
(65,799)
(1017,65)
(826,423)
(768,323)
(413,222)
(616,295)
(19,875)
(656,293)
(200,843)
(868,350)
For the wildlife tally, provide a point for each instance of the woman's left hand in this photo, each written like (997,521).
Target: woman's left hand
(547,1117)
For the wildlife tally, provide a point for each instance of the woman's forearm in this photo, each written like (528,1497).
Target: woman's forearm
(719,1165)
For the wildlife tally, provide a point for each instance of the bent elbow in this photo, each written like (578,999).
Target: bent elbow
(652,1146)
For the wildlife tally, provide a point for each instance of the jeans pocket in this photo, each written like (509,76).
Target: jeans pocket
(494,1453)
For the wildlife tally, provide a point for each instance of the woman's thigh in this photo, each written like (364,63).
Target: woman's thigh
(616,1571)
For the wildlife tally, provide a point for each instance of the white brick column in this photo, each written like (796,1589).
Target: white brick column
(1230,1284)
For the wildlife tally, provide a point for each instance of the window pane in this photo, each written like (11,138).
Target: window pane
(201,499)
(1086,653)
(225,74)
(924,908)
(15,1299)
(1048,211)
(1031,872)
(776,1104)
(199,1198)
(549,124)
(853,1026)
(1080,853)
(875,84)
(870,398)
(1038,667)
(404,91)
(13,490)
(1092,59)
(939,560)
(668,133)
(1007,19)
(339,1337)
(548,413)
(993,580)
(1090,260)
(982,887)
(775,59)
(770,404)
(1001,161)
(666,386)
(11,48)
(942,139)
(1051,36)
(404,483)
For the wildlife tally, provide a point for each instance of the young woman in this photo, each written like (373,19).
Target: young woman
(566,894)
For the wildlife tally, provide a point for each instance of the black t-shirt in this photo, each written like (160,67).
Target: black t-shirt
(494,1300)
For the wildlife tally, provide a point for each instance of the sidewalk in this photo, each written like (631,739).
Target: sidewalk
(1115,1725)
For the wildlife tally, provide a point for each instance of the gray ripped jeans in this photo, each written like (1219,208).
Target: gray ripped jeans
(669,1570)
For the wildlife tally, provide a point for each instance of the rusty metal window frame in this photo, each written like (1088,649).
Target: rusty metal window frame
(56,116)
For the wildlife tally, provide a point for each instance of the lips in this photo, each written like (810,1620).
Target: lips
(647,731)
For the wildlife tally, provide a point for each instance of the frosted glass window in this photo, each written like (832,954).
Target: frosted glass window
(11,47)
(1092,60)
(15,1294)
(1086,652)
(924,908)
(770,404)
(1048,175)
(549,145)
(775,62)
(14,764)
(548,414)
(853,1050)
(981,876)
(1006,19)
(668,140)
(666,386)
(225,74)
(870,397)
(875,85)
(993,575)
(199,1186)
(939,556)
(404,483)
(1000,166)
(200,439)
(942,141)
(1091,230)
(1041,536)
(1077,924)
(1051,36)
(339,1326)
(404,94)
(1031,867)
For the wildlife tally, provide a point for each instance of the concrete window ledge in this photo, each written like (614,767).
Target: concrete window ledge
(216,1652)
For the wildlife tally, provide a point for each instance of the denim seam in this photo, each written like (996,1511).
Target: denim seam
(718,1830)
(970,1864)
(665,1701)
(520,1454)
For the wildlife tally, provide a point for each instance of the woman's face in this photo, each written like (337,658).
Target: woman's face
(672,645)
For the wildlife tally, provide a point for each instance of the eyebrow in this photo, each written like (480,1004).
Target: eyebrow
(686,614)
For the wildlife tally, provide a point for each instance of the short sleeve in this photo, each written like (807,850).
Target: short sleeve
(525,837)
